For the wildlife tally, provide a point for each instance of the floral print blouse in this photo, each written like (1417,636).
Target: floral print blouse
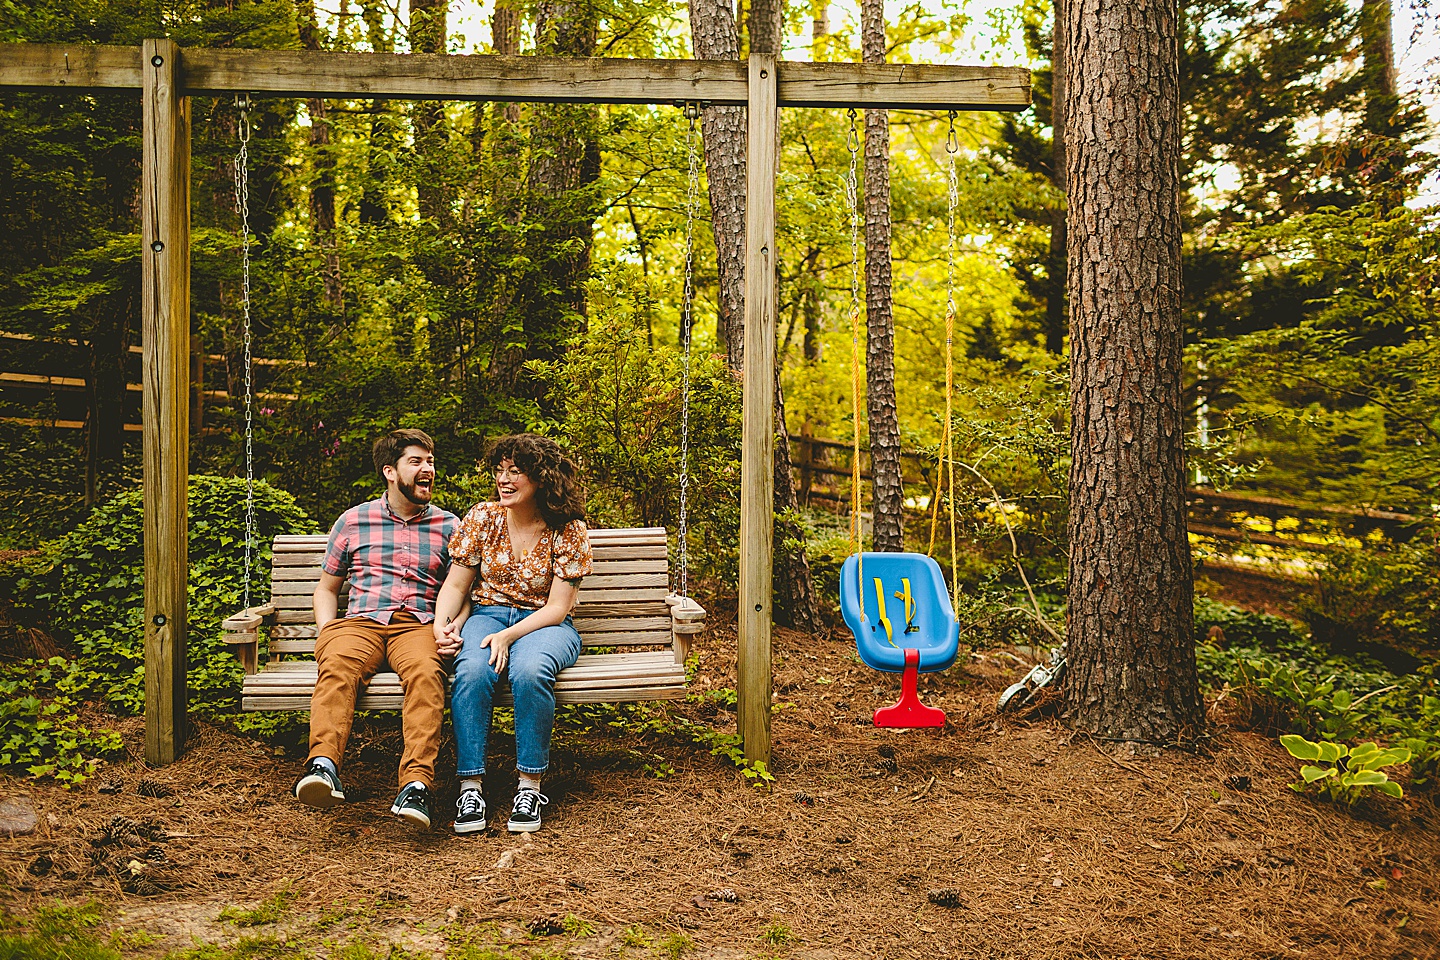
(505,579)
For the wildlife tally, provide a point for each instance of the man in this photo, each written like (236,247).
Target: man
(396,553)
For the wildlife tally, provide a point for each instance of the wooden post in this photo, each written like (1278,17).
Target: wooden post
(165,332)
(757,467)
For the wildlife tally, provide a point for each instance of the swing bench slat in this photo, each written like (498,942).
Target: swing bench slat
(623,607)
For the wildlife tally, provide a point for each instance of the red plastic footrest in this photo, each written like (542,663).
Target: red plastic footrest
(908,711)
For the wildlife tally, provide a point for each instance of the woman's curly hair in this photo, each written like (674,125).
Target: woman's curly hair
(558,493)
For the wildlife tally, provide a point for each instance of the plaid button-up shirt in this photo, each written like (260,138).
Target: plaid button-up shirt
(393,564)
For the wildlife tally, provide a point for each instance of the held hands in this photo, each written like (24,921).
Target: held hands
(447,638)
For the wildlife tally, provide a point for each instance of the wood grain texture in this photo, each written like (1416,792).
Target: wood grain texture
(722,82)
(757,478)
(165,326)
(1130,584)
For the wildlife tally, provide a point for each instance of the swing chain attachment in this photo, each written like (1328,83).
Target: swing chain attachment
(691,111)
(952,191)
(242,207)
(952,142)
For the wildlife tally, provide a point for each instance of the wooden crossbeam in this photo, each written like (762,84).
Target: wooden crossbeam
(521,79)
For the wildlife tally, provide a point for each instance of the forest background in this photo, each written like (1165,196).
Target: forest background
(473,269)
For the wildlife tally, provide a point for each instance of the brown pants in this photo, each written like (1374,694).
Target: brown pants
(349,652)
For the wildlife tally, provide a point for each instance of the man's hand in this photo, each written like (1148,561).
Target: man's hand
(499,645)
(447,638)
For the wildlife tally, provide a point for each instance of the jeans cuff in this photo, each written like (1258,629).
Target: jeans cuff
(531,770)
(470,774)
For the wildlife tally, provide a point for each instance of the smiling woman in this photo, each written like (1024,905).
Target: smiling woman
(520,559)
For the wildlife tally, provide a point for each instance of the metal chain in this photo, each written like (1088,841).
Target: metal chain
(687,314)
(852,200)
(952,147)
(242,207)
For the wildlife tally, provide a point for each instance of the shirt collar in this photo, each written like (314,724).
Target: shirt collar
(385,500)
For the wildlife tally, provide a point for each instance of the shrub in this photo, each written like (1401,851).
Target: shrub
(94,590)
(1378,592)
(1343,773)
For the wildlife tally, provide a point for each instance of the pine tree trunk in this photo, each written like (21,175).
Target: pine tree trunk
(888,495)
(1055,322)
(428,30)
(1131,650)
(322,190)
(715,37)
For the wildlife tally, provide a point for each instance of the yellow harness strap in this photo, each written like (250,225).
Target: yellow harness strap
(884,619)
(909,605)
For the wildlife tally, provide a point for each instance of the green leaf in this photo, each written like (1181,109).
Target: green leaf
(1299,747)
(1391,789)
(1364,778)
(1313,773)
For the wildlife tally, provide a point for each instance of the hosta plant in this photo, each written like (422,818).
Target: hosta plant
(1344,773)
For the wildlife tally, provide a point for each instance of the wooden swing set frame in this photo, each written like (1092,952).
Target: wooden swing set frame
(166,76)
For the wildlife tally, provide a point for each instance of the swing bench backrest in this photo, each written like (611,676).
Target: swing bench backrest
(636,635)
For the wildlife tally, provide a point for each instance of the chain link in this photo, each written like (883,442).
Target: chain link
(952,147)
(687,316)
(242,207)
(852,200)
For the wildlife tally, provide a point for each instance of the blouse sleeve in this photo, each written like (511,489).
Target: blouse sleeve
(573,557)
(467,545)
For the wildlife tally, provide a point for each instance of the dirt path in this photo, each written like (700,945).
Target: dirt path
(987,839)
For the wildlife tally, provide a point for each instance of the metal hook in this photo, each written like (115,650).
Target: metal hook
(952,143)
(852,139)
(243,104)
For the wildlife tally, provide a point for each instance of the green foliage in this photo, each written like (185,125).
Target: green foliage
(40,732)
(55,933)
(1378,591)
(1344,773)
(269,910)
(95,590)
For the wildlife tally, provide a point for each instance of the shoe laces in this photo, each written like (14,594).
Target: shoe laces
(528,802)
(470,802)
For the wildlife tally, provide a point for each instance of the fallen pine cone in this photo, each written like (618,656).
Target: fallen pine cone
(546,927)
(946,897)
(723,895)
(154,789)
(804,799)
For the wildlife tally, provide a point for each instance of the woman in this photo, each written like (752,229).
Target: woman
(520,558)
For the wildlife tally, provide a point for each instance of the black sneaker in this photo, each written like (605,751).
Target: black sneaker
(525,815)
(318,787)
(470,812)
(413,804)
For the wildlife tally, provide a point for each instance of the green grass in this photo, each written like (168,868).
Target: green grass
(267,911)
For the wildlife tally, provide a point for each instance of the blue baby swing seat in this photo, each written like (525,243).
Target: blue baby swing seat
(903,623)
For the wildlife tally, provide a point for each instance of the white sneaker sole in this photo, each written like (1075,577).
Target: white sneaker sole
(412,816)
(316,792)
(474,827)
(514,827)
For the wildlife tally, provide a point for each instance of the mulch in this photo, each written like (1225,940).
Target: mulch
(993,837)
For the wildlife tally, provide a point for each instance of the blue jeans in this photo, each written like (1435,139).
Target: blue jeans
(535,660)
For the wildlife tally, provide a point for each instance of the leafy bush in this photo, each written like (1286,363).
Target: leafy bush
(1378,592)
(89,584)
(40,733)
(95,589)
(1343,773)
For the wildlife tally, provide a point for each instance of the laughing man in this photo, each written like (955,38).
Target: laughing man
(396,554)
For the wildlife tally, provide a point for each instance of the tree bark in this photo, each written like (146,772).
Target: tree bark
(1055,320)
(888,494)
(767,26)
(715,37)
(322,190)
(1131,590)
(429,26)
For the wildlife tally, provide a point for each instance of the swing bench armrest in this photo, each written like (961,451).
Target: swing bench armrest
(687,618)
(242,633)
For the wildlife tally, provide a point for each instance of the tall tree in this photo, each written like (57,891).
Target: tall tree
(715,37)
(889,493)
(1130,583)
(322,189)
(429,27)
(1056,265)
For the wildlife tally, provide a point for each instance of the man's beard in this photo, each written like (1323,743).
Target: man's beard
(412,493)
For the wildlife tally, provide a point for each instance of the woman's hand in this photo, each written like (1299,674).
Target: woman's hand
(499,644)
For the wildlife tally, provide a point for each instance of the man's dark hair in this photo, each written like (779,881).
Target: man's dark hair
(391,447)
(557,480)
